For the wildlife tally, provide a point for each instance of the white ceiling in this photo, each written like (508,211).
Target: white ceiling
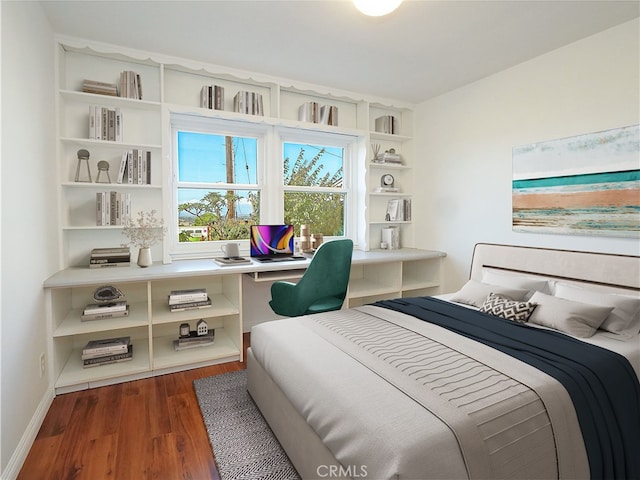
(423,49)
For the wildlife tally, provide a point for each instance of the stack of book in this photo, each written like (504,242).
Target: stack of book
(109,350)
(388,157)
(99,311)
(130,85)
(105,123)
(112,208)
(195,298)
(101,88)
(212,97)
(110,257)
(194,340)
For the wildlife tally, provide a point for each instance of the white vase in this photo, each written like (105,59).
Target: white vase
(144,257)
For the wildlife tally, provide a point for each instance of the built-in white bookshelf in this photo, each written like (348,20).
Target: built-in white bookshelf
(174,85)
(150,324)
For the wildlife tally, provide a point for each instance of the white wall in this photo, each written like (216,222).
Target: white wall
(465,139)
(28,219)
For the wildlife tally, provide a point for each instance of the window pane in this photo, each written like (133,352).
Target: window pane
(323,212)
(208,215)
(209,158)
(313,165)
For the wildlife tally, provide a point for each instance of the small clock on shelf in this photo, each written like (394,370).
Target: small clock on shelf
(387,184)
(387,180)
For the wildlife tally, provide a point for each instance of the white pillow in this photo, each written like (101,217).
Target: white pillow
(625,317)
(515,281)
(578,319)
(475,293)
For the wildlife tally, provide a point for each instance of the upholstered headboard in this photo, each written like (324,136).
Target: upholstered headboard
(603,271)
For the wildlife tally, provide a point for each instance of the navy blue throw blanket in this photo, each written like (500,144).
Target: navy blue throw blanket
(601,383)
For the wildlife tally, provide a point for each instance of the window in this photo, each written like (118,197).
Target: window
(313,187)
(217,191)
(228,175)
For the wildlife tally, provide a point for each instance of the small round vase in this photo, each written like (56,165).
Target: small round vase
(144,257)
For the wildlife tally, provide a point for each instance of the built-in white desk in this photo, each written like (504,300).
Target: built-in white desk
(239,294)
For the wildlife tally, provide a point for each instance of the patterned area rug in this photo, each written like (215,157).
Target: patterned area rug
(242,442)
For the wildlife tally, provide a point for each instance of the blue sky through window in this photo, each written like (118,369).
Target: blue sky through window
(202,158)
(331,160)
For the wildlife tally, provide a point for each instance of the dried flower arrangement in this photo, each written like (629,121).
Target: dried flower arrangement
(145,230)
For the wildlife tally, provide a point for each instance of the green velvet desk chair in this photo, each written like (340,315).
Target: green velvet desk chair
(322,288)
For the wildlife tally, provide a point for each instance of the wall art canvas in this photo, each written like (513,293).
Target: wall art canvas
(583,185)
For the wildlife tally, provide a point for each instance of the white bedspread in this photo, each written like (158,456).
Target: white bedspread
(375,424)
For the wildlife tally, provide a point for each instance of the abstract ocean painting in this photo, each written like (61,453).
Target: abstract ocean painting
(583,185)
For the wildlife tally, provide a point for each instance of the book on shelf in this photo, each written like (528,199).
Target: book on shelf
(315,113)
(398,209)
(109,359)
(109,307)
(105,123)
(194,340)
(212,97)
(225,261)
(112,208)
(106,346)
(100,88)
(130,85)
(104,315)
(104,252)
(100,260)
(195,305)
(110,264)
(135,167)
(387,124)
(248,102)
(187,295)
(329,115)
(110,257)
(392,210)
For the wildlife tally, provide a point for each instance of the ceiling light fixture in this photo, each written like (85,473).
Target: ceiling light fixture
(376,8)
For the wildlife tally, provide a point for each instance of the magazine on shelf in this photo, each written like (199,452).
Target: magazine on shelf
(110,307)
(101,316)
(179,307)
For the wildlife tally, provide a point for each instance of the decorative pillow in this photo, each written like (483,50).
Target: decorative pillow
(502,307)
(474,293)
(515,281)
(578,319)
(623,320)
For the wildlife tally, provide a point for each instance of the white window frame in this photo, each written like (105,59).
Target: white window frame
(198,124)
(270,175)
(349,170)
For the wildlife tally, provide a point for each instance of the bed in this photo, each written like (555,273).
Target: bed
(530,370)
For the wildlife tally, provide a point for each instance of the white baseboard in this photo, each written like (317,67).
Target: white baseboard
(22,450)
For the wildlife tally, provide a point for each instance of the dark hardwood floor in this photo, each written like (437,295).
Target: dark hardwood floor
(145,429)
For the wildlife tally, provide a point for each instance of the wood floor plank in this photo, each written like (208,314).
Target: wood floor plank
(139,430)
(98,459)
